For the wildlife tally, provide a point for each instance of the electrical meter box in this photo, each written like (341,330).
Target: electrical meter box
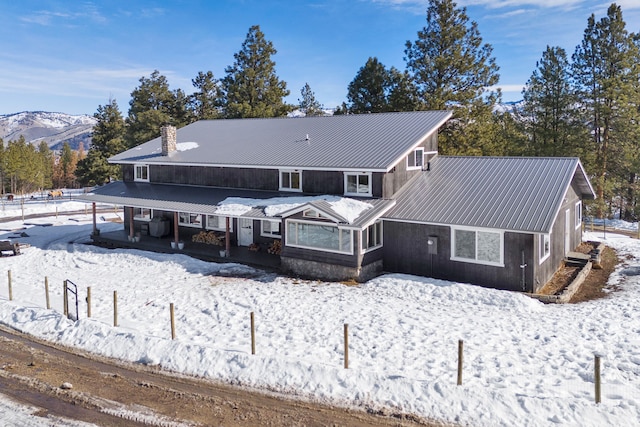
(432,245)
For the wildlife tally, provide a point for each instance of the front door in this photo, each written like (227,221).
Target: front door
(567,232)
(245,237)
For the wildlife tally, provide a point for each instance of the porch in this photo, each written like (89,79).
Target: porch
(207,252)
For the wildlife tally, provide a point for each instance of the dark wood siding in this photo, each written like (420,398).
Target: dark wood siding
(256,179)
(323,182)
(127,173)
(399,175)
(544,271)
(406,251)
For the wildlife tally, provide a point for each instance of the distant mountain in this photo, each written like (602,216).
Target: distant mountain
(53,128)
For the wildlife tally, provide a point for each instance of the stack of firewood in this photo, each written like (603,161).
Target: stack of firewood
(210,238)
(275,248)
(254,247)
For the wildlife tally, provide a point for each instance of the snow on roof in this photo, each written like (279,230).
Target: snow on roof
(350,209)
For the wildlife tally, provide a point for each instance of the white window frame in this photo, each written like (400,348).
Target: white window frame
(364,237)
(190,223)
(544,247)
(221,223)
(475,260)
(138,214)
(289,171)
(358,192)
(136,175)
(292,241)
(414,155)
(268,231)
(578,214)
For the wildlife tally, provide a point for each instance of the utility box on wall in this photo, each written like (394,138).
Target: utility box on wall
(432,245)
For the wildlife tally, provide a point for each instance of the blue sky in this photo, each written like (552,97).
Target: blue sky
(72,56)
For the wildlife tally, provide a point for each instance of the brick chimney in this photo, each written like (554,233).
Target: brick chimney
(168,139)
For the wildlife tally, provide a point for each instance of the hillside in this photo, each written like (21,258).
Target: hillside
(53,128)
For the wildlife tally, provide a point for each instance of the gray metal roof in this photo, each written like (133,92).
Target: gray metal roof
(173,198)
(205,200)
(505,193)
(345,142)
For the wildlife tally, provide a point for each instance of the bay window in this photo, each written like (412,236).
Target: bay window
(319,236)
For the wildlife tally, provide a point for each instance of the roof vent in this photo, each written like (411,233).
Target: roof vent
(168,138)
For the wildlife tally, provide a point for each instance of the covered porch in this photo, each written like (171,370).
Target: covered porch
(207,252)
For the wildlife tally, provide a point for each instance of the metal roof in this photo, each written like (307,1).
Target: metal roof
(205,200)
(345,142)
(505,193)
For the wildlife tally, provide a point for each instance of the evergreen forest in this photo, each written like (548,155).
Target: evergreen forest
(583,104)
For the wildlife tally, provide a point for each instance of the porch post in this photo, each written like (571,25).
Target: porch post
(227,238)
(93,211)
(131,233)
(175,228)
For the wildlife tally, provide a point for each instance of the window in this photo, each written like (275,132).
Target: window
(544,242)
(142,214)
(483,247)
(371,237)
(415,159)
(323,237)
(357,184)
(290,180)
(141,172)
(270,228)
(218,222)
(578,214)
(190,219)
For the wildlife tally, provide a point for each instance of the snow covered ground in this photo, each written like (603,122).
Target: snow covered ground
(525,363)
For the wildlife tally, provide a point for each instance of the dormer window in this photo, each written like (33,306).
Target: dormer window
(290,180)
(357,184)
(415,159)
(141,173)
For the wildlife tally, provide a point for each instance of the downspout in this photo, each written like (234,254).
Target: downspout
(227,238)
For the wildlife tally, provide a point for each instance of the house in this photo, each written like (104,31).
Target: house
(348,197)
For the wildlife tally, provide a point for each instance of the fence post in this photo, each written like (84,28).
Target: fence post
(46,291)
(9,282)
(596,378)
(173,323)
(88,301)
(115,308)
(346,346)
(460,348)
(65,299)
(253,334)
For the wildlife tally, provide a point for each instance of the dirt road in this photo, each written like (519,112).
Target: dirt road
(113,393)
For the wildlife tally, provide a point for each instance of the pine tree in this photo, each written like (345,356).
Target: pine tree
(205,102)
(367,92)
(108,139)
(152,106)
(453,69)
(251,87)
(403,94)
(548,114)
(607,79)
(44,176)
(308,103)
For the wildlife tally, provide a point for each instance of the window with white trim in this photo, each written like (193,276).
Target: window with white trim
(357,184)
(477,246)
(269,228)
(218,223)
(190,219)
(544,243)
(322,237)
(142,214)
(290,180)
(415,159)
(371,237)
(141,172)
(578,214)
